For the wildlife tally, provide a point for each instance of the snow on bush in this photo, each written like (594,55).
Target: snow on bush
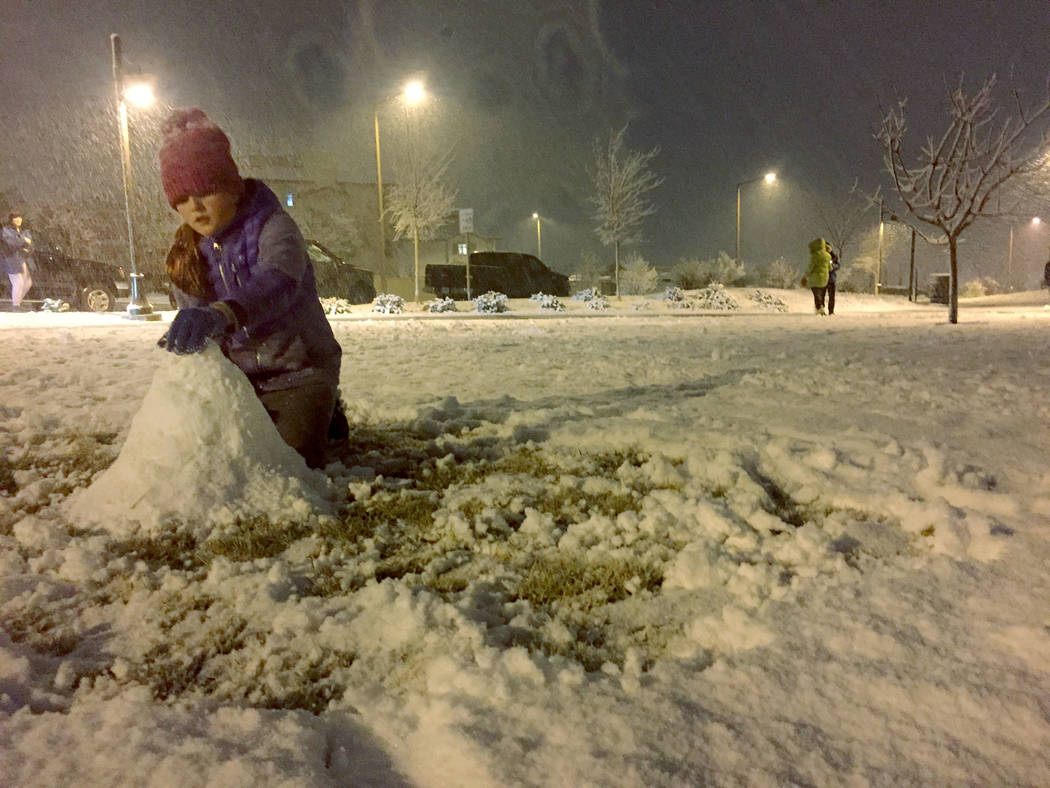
(335,306)
(715,297)
(445,304)
(586,294)
(980,287)
(389,304)
(546,301)
(675,295)
(768,302)
(491,302)
(598,304)
(782,274)
(54,305)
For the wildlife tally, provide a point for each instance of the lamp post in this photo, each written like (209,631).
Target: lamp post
(139,308)
(1036,221)
(539,242)
(413,93)
(769,177)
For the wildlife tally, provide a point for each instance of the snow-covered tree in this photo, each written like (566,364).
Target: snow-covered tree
(842,217)
(639,277)
(956,179)
(622,179)
(420,204)
(782,274)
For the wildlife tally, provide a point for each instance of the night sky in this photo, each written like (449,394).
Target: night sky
(727,90)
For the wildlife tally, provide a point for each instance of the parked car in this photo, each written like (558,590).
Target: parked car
(86,285)
(337,278)
(511,273)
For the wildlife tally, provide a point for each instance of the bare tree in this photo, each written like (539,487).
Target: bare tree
(420,203)
(621,179)
(959,178)
(842,217)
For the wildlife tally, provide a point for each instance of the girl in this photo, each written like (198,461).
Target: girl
(241,275)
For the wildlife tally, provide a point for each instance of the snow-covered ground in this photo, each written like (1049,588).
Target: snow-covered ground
(652,547)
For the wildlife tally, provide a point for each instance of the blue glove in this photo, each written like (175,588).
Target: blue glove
(191,328)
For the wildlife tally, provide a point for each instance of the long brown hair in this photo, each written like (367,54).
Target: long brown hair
(184,265)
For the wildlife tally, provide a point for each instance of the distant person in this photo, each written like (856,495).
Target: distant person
(816,277)
(833,275)
(1046,280)
(15,254)
(241,275)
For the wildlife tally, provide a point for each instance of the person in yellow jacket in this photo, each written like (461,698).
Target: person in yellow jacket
(816,277)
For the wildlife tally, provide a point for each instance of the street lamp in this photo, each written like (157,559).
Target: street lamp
(539,243)
(413,93)
(769,177)
(140,95)
(1036,221)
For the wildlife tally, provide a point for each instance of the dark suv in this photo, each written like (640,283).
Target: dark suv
(336,278)
(86,285)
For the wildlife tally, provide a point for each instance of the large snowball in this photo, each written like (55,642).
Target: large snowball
(201,450)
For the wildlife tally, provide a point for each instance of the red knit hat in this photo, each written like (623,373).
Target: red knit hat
(195,158)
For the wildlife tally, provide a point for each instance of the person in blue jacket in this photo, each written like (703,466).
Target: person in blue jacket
(241,275)
(15,246)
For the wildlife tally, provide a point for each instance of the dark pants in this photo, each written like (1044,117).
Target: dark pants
(831,298)
(818,297)
(302,416)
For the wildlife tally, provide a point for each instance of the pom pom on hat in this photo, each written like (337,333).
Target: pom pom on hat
(195,158)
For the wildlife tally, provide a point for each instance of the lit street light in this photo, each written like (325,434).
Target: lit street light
(539,243)
(413,93)
(1036,221)
(769,177)
(140,95)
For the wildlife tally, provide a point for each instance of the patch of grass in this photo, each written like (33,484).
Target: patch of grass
(553,579)
(177,550)
(315,686)
(255,538)
(407,513)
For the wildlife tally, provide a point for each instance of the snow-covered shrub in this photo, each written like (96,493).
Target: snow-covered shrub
(335,306)
(983,286)
(389,304)
(858,278)
(598,304)
(698,273)
(545,301)
(491,302)
(768,302)
(716,298)
(637,276)
(445,304)
(54,305)
(587,294)
(674,295)
(782,274)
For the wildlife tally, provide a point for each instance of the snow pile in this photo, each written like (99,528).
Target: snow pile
(491,302)
(336,306)
(445,304)
(200,450)
(547,301)
(768,302)
(388,304)
(715,297)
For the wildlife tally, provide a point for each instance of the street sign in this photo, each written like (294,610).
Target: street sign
(466,220)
